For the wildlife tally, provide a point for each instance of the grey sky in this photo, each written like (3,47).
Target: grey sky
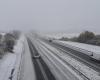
(50,15)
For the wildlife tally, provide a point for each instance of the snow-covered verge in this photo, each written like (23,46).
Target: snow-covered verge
(87,71)
(11,61)
(85,48)
(17,65)
(27,71)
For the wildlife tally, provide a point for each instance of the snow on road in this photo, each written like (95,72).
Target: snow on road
(28,72)
(58,67)
(87,71)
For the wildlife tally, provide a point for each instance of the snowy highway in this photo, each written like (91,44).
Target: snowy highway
(62,63)
(78,55)
(41,69)
(56,66)
(40,58)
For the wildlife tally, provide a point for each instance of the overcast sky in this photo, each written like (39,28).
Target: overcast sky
(70,16)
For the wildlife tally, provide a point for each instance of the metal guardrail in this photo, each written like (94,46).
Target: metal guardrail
(11,75)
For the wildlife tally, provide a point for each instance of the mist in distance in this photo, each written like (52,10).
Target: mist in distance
(70,16)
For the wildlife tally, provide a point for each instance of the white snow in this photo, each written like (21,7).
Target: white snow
(87,71)
(27,71)
(11,60)
(85,48)
(6,65)
(2,33)
(60,69)
(59,35)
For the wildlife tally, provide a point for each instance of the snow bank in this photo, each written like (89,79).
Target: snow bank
(88,47)
(6,65)
(27,71)
(85,48)
(11,61)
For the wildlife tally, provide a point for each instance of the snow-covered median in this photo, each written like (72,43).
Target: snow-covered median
(11,61)
(85,48)
(88,47)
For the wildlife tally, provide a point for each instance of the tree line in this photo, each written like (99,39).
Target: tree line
(7,42)
(87,37)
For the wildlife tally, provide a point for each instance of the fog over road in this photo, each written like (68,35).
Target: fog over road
(50,16)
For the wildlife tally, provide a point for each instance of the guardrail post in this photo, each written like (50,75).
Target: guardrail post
(11,75)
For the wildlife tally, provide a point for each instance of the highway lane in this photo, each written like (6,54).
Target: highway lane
(59,68)
(77,55)
(82,71)
(56,64)
(41,69)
